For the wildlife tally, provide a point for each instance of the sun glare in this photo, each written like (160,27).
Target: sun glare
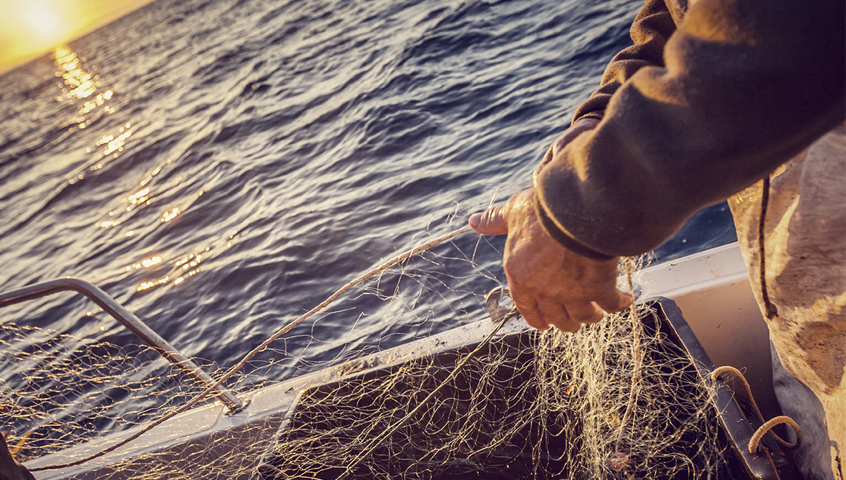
(29,28)
(44,22)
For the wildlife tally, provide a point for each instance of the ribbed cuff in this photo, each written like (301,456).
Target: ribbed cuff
(563,238)
(596,114)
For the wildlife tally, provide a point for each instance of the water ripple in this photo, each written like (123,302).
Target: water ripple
(221,166)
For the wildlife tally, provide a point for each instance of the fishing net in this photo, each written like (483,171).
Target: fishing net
(616,400)
(619,399)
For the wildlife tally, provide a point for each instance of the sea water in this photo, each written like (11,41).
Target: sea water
(221,166)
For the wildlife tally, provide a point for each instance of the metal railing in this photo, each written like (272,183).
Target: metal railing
(131,322)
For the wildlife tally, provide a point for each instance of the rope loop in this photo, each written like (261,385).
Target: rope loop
(767,426)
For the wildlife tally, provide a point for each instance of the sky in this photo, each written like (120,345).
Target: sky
(31,28)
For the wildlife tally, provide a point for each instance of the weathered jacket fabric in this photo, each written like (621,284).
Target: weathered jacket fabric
(710,98)
(804,245)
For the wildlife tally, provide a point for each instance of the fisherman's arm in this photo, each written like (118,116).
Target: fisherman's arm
(551,284)
(745,87)
(649,33)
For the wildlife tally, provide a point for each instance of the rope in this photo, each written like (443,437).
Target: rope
(282,331)
(767,426)
(619,460)
(637,357)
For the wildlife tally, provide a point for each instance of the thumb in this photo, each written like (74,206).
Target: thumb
(491,222)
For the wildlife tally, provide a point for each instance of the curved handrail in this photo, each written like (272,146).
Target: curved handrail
(128,320)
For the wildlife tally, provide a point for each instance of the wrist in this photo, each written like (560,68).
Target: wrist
(561,236)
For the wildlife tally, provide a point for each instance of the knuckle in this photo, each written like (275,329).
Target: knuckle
(567,327)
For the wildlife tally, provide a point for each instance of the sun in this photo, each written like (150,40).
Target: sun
(29,28)
(44,23)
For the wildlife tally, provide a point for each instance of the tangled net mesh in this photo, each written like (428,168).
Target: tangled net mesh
(619,399)
(545,405)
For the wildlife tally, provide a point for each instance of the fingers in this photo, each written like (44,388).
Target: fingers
(586,312)
(532,315)
(566,314)
(491,222)
(557,314)
(526,304)
(541,312)
(613,300)
(567,319)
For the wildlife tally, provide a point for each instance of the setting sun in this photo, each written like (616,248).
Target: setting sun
(45,24)
(30,28)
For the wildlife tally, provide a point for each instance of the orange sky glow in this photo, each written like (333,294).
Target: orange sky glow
(31,28)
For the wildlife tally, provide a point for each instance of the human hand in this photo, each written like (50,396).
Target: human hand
(574,131)
(549,284)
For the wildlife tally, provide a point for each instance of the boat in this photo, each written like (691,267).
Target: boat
(703,303)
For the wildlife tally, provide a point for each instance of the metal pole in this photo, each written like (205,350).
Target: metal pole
(130,321)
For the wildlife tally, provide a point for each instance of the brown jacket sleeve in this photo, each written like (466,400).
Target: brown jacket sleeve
(745,86)
(650,31)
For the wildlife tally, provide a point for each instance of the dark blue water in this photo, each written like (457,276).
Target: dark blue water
(221,166)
